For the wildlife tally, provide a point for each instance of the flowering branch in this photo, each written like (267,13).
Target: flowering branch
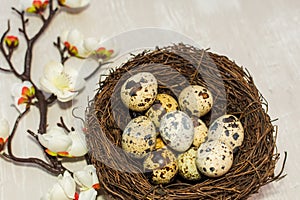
(26,76)
(57,169)
(63,84)
(42,103)
(6,55)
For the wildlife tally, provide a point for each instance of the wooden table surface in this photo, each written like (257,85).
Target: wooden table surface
(262,36)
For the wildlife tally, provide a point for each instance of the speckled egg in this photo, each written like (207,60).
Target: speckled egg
(139,137)
(177,130)
(139,91)
(159,143)
(227,129)
(214,158)
(161,166)
(187,167)
(200,131)
(195,100)
(163,103)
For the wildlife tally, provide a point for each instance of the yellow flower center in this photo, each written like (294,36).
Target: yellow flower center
(62,82)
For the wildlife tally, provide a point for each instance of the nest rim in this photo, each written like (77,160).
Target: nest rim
(254,163)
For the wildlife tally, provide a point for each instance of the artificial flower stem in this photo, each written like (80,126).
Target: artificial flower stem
(11,136)
(42,104)
(33,134)
(57,169)
(31,42)
(26,75)
(5,70)
(61,51)
(24,22)
(95,70)
(43,109)
(53,170)
(63,125)
(6,55)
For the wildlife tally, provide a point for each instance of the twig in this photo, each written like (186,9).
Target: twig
(31,42)
(278,177)
(10,138)
(95,70)
(61,50)
(56,169)
(26,75)
(5,70)
(24,22)
(42,103)
(35,161)
(63,125)
(32,134)
(198,66)
(6,55)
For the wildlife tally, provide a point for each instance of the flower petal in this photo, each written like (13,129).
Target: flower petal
(22,100)
(78,147)
(76,3)
(47,86)
(90,44)
(88,195)
(86,178)
(68,184)
(76,79)
(17,88)
(52,69)
(66,96)
(25,91)
(61,81)
(56,140)
(56,193)
(75,37)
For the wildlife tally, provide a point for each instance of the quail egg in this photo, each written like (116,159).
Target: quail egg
(195,100)
(187,165)
(139,91)
(214,158)
(163,103)
(161,166)
(159,143)
(200,131)
(227,129)
(139,137)
(177,130)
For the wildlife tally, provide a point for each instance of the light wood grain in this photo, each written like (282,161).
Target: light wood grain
(262,36)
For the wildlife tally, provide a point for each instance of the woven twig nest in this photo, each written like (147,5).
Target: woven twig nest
(175,67)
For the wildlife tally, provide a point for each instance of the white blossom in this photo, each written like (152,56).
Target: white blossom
(64,189)
(64,82)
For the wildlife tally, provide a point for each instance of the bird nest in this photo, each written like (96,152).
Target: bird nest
(176,67)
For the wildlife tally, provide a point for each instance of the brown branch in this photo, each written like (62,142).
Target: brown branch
(42,103)
(35,161)
(31,42)
(61,50)
(13,132)
(63,125)
(54,169)
(8,55)
(96,69)
(5,70)
(24,22)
